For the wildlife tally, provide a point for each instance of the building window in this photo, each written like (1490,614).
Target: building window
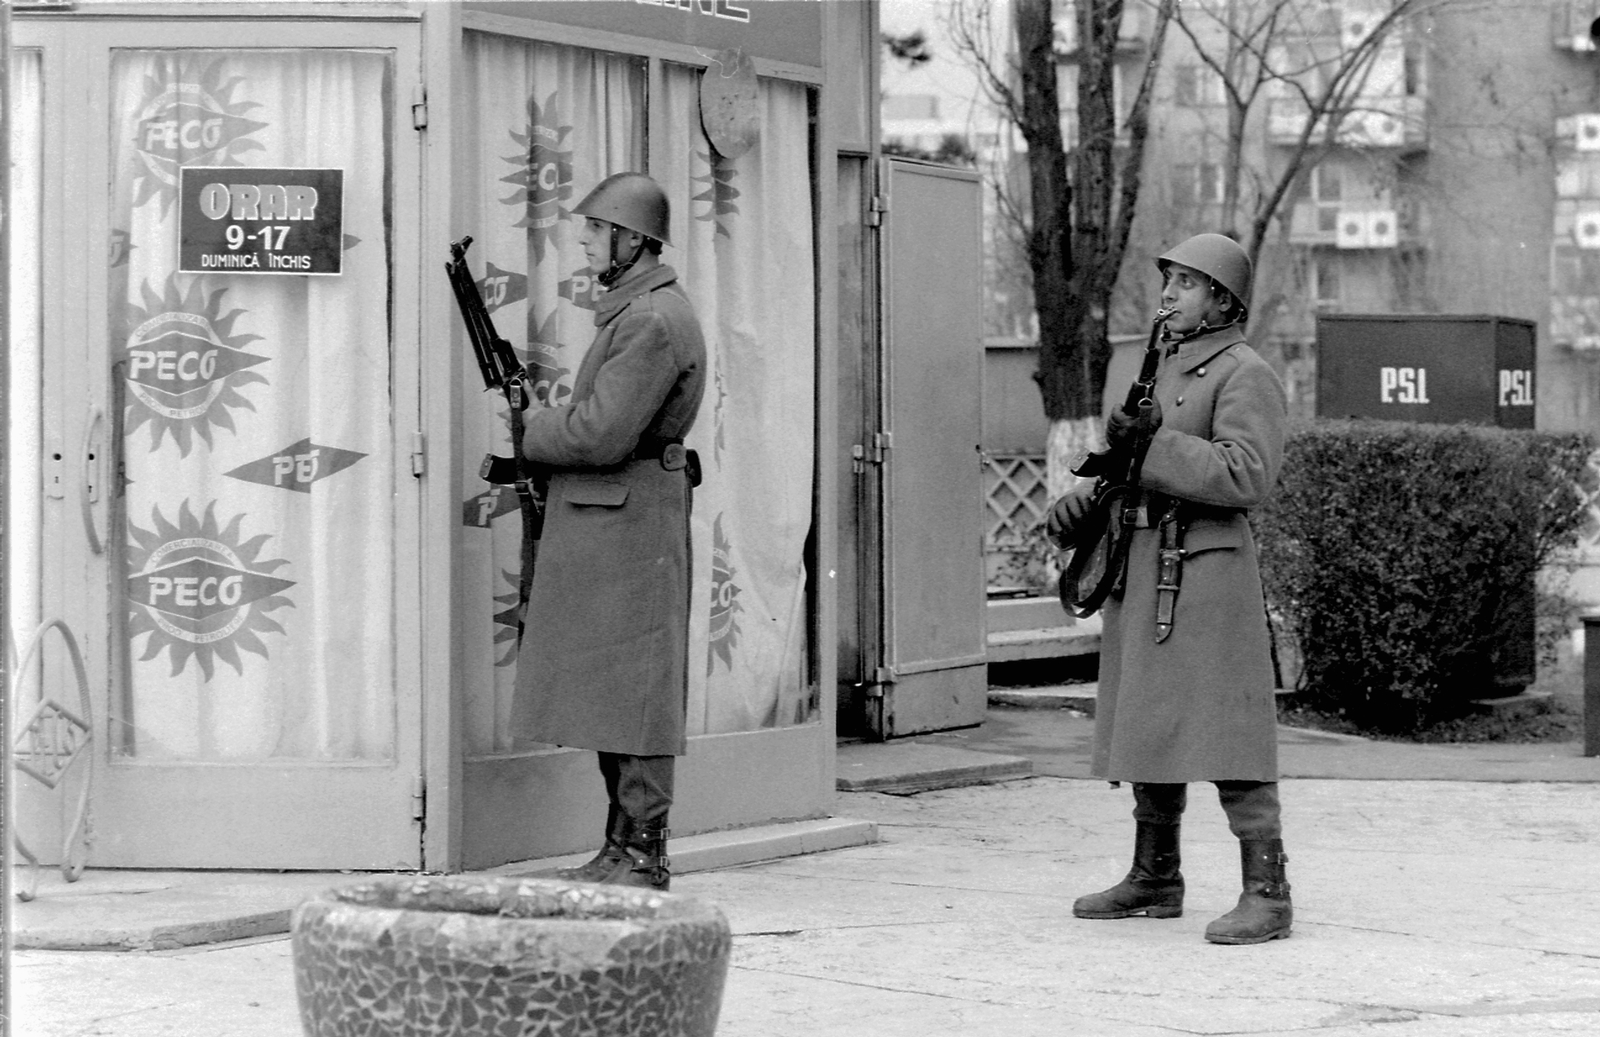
(1196,184)
(1577,272)
(1327,184)
(1325,280)
(1197,86)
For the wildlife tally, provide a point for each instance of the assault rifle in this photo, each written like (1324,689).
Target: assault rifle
(1100,542)
(503,371)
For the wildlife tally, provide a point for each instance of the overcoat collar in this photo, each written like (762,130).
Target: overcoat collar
(1203,347)
(630,288)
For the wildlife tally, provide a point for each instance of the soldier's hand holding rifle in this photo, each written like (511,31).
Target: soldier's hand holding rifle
(1123,430)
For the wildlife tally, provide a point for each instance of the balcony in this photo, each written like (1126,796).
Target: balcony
(1377,122)
(1367,225)
(1573,24)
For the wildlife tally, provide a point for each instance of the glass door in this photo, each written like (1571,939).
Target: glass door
(227,402)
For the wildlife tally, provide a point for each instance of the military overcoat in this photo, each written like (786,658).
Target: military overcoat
(603,663)
(1199,705)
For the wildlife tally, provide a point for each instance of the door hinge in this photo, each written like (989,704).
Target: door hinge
(419,107)
(881,676)
(876,207)
(419,798)
(419,454)
(882,443)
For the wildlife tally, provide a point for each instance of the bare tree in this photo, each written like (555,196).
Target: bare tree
(1292,51)
(1080,203)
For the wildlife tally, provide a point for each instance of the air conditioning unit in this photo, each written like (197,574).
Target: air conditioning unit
(1385,131)
(1353,28)
(1352,231)
(1586,131)
(1383,229)
(1586,228)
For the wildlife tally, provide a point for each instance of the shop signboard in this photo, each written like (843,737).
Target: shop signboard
(777,30)
(246,220)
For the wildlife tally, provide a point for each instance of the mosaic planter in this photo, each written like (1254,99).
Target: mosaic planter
(430,956)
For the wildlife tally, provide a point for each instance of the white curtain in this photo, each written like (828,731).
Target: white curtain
(746,226)
(548,123)
(257,420)
(23,444)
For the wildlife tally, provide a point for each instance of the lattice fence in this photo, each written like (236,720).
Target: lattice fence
(1016,497)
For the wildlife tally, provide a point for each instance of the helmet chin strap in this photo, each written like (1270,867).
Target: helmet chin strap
(614,270)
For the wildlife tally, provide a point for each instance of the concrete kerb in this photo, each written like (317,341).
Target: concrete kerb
(114,910)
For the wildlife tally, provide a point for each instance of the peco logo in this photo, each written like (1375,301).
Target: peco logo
(184,365)
(543,177)
(189,117)
(200,591)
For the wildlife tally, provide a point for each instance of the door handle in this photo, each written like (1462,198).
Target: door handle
(89,493)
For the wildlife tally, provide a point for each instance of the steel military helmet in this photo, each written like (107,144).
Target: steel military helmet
(629,200)
(1220,258)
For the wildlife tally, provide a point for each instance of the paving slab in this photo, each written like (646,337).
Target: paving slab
(908,765)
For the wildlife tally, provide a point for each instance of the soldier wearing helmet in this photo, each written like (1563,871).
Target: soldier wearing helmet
(1186,681)
(604,665)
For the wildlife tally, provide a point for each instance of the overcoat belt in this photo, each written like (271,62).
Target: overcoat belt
(1198,706)
(603,663)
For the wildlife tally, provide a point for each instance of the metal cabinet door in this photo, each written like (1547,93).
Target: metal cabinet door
(935,671)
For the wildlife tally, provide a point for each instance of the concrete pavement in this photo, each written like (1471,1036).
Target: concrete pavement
(1439,890)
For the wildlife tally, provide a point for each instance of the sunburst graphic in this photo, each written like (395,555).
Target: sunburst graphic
(725,607)
(719,413)
(189,117)
(507,619)
(185,364)
(542,359)
(543,177)
(719,192)
(200,591)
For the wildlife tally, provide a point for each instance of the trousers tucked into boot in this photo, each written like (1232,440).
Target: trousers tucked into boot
(645,860)
(643,793)
(1153,886)
(1264,911)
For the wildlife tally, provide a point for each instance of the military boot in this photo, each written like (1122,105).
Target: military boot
(1264,911)
(602,864)
(1152,887)
(645,862)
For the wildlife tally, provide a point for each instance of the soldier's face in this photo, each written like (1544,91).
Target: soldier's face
(1190,296)
(595,240)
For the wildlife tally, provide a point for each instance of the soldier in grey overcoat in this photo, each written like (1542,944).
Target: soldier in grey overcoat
(609,605)
(1195,703)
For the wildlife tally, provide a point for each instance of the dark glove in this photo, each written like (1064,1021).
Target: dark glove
(1123,429)
(1068,513)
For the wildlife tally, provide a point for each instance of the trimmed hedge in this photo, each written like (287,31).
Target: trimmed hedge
(1400,560)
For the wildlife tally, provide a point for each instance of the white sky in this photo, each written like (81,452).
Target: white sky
(947,76)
